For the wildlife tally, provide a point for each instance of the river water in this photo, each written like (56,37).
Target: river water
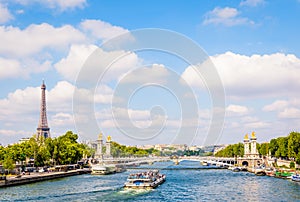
(182,184)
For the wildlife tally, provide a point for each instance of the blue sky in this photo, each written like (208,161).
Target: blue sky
(253,44)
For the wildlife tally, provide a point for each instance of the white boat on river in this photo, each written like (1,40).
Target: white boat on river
(98,169)
(145,180)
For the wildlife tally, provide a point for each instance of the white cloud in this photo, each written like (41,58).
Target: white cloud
(55,4)
(61,120)
(20,109)
(251,3)
(157,73)
(7,134)
(225,16)
(16,42)
(285,109)
(70,66)
(20,11)
(101,30)
(5,15)
(277,105)
(243,76)
(257,125)
(236,110)
(290,113)
(9,68)
(26,102)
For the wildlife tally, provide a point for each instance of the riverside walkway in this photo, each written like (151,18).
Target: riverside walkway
(37,177)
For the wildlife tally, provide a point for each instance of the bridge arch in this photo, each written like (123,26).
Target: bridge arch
(245,163)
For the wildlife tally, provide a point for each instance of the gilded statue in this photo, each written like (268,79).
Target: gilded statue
(108,139)
(100,136)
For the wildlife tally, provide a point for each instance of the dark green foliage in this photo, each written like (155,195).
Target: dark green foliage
(61,150)
(234,150)
(118,150)
(281,147)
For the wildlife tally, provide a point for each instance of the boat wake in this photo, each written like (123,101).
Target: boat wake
(133,192)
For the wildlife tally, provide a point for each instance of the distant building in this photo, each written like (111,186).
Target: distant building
(218,148)
(148,146)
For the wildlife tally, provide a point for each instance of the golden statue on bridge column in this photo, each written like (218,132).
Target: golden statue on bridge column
(108,139)
(100,136)
(253,135)
(246,137)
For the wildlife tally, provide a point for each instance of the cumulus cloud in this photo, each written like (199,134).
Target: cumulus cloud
(225,16)
(70,66)
(290,113)
(277,105)
(285,109)
(61,120)
(25,102)
(157,73)
(252,3)
(5,15)
(236,110)
(254,76)
(9,68)
(101,30)
(16,42)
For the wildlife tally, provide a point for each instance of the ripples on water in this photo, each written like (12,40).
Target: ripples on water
(181,185)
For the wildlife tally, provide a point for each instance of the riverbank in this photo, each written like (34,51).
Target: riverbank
(37,177)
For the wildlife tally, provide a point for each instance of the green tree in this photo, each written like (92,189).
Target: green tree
(264,149)
(66,149)
(8,163)
(233,150)
(294,145)
(273,146)
(282,151)
(2,153)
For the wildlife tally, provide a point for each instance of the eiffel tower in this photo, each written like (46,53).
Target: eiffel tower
(43,130)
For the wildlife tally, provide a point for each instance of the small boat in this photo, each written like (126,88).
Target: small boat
(296,177)
(270,172)
(145,180)
(98,169)
(283,174)
(259,171)
(120,169)
(243,169)
(236,169)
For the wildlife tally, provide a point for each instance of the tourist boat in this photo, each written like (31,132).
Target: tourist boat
(98,169)
(145,180)
(296,177)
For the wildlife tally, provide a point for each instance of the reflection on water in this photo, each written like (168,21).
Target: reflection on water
(181,185)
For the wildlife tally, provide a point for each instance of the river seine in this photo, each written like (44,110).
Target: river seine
(182,184)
